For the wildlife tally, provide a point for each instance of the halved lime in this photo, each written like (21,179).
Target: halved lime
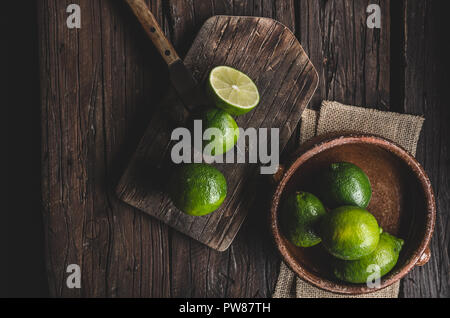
(232,90)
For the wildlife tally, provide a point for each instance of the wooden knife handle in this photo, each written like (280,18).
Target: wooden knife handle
(153,30)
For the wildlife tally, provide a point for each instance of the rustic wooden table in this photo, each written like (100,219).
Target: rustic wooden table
(98,85)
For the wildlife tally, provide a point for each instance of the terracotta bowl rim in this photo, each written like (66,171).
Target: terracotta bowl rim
(340,140)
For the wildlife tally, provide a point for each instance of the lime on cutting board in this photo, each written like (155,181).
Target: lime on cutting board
(228,131)
(232,90)
(197,189)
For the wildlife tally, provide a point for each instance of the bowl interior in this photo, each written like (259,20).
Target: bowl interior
(398,203)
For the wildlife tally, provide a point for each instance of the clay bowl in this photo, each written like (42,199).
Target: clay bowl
(402,202)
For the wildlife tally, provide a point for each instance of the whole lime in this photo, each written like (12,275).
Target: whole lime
(381,261)
(197,189)
(300,215)
(349,232)
(344,184)
(226,132)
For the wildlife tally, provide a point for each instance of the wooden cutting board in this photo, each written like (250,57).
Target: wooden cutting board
(270,54)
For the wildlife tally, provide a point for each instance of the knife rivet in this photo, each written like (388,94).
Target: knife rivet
(152,29)
(167,52)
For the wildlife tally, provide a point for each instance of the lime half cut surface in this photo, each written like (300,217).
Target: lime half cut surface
(232,90)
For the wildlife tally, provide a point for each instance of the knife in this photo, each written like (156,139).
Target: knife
(181,78)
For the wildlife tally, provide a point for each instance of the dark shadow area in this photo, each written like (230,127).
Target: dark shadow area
(25,236)
(156,77)
(427,82)
(397,76)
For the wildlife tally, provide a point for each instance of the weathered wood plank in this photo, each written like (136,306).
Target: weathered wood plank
(95,99)
(353,61)
(425,85)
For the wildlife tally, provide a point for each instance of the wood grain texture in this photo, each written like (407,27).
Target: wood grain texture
(92,124)
(95,99)
(269,53)
(425,75)
(352,60)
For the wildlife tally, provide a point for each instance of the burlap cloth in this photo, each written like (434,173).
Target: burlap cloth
(332,117)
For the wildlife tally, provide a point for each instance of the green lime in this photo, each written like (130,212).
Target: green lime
(197,188)
(300,215)
(226,136)
(344,184)
(349,232)
(232,90)
(381,261)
